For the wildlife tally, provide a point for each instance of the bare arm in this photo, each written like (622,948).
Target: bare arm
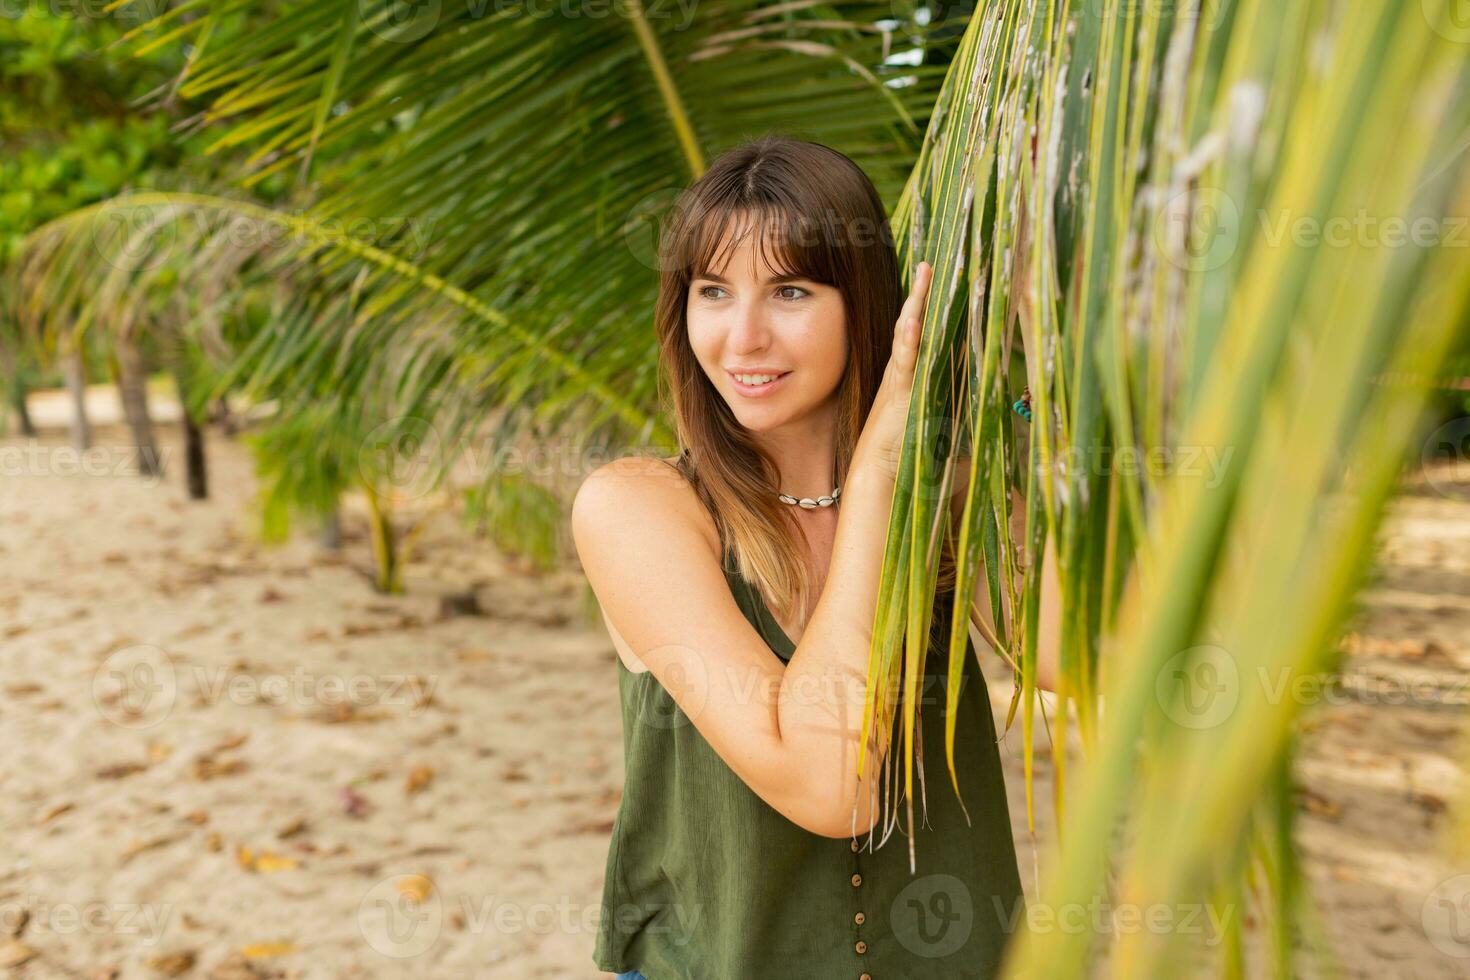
(789,731)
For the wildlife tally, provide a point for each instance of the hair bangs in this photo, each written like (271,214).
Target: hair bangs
(786,241)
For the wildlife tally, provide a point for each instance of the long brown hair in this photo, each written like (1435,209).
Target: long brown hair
(816,215)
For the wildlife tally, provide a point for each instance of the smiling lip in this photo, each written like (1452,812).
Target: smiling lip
(755,391)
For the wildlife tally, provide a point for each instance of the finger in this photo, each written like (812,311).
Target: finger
(910,318)
(926,277)
(922,279)
(910,325)
(913,304)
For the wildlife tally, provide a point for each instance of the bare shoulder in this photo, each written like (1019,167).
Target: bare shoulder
(647,551)
(636,520)
(646,492)
(651,554)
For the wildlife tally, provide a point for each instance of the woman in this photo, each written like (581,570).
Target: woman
(746,845)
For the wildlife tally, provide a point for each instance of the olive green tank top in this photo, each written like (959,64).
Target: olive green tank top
(706,881)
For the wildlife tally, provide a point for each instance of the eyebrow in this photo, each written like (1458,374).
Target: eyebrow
(773,279)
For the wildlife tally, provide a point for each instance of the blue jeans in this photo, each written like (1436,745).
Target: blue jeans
(631,975)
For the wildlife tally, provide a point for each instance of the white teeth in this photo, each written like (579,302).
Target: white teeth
(755,379)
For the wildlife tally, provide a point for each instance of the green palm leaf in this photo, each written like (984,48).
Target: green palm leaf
(1155,151)
(533,156)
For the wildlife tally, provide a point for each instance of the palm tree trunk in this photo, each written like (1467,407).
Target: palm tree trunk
(385,551)
(332,530)
(18,404)
(13,369)
(197,476)
(75,371)
(196,468)
(132,389)
(22,413)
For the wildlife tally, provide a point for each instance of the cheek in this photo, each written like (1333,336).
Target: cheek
(823,353)
(704,339)
(827,345)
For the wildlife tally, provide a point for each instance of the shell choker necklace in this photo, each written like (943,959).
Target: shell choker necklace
(811,503)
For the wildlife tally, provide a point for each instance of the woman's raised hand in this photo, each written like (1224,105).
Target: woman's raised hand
(881,441)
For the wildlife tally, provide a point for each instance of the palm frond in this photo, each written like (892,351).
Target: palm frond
(1104,184)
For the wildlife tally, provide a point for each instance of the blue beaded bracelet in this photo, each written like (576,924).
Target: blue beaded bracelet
(1022,405)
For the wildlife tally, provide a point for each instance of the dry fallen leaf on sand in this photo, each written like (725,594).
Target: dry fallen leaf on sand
(173,964)
(51,813)
(353,804)
(264,861)
(474,656)
(229,742)
(139,846)
(418,779)
(1318,805)
(13,952)
(415,888)
(259,950)
(207,767)
(291,829)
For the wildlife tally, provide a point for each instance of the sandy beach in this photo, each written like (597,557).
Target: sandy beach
(313,762)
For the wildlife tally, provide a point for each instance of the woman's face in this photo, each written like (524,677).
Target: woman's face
(745,319)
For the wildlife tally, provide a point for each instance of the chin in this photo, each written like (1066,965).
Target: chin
(762,420)
(757,415)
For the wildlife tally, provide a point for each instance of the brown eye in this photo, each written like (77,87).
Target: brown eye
(798,289)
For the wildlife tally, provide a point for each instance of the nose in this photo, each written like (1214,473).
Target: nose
(750,329)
